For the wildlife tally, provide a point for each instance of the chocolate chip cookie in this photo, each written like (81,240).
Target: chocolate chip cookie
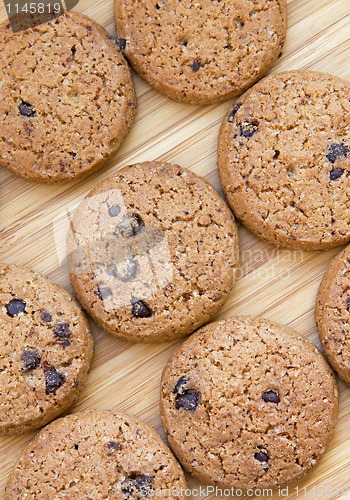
(152,252)
(201,52)
(66,98)
(247,403)
(333,314)
(284,160)
(45,350)
(96,454)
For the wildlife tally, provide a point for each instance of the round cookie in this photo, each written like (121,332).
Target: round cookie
(96,454)
(247,403)
(284,160)
(333,314)
(201,52)
(66,98)
(152,252)
(45,350)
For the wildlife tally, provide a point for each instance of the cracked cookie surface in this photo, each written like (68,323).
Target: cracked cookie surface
(96,454)
(152,252)
(66,98)
(333,314)
(284,160)
(201,52)
(45,350)
(247,403)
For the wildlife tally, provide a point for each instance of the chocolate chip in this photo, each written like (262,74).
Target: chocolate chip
(248,129)
(63,333)
(53,379)
(120,42)
(140,309)
(180,385)
(62,330)
(113,446)
(137,483)
(337,151)
(27,110)
(261,456)
(195,66)
(73,50)
(114,210)
(234,111)
(31,359)
(104,292)
(271,397)
(131,225)
(46,317)
(335,174)
(136,223)
(124,271)
(76,447)
(16,307)
(348,303)
(189,400)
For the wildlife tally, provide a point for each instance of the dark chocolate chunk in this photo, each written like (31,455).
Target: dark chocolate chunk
(113,446)
(46,317)
(120,42)
(196,66)
(114,210)
(348,303)
(31,359)
(234,111)
(124,271)
(137,483)
(131,225)
(189,400)
(65,341)
(180,385)
(104,292)
(63,333)
(337,151)
(16,307)
(335,174)
(248,129)
(271,397)
(140,309)
(136,223)
(261,456)
(27,110)
(76,447)
(62,330)
(53,379)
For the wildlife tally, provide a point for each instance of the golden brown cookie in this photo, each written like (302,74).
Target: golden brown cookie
(66,98)
(333,314)
(284,160)
(247,403)
(96,454)
(45,350)
(152,252)
(201,52)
